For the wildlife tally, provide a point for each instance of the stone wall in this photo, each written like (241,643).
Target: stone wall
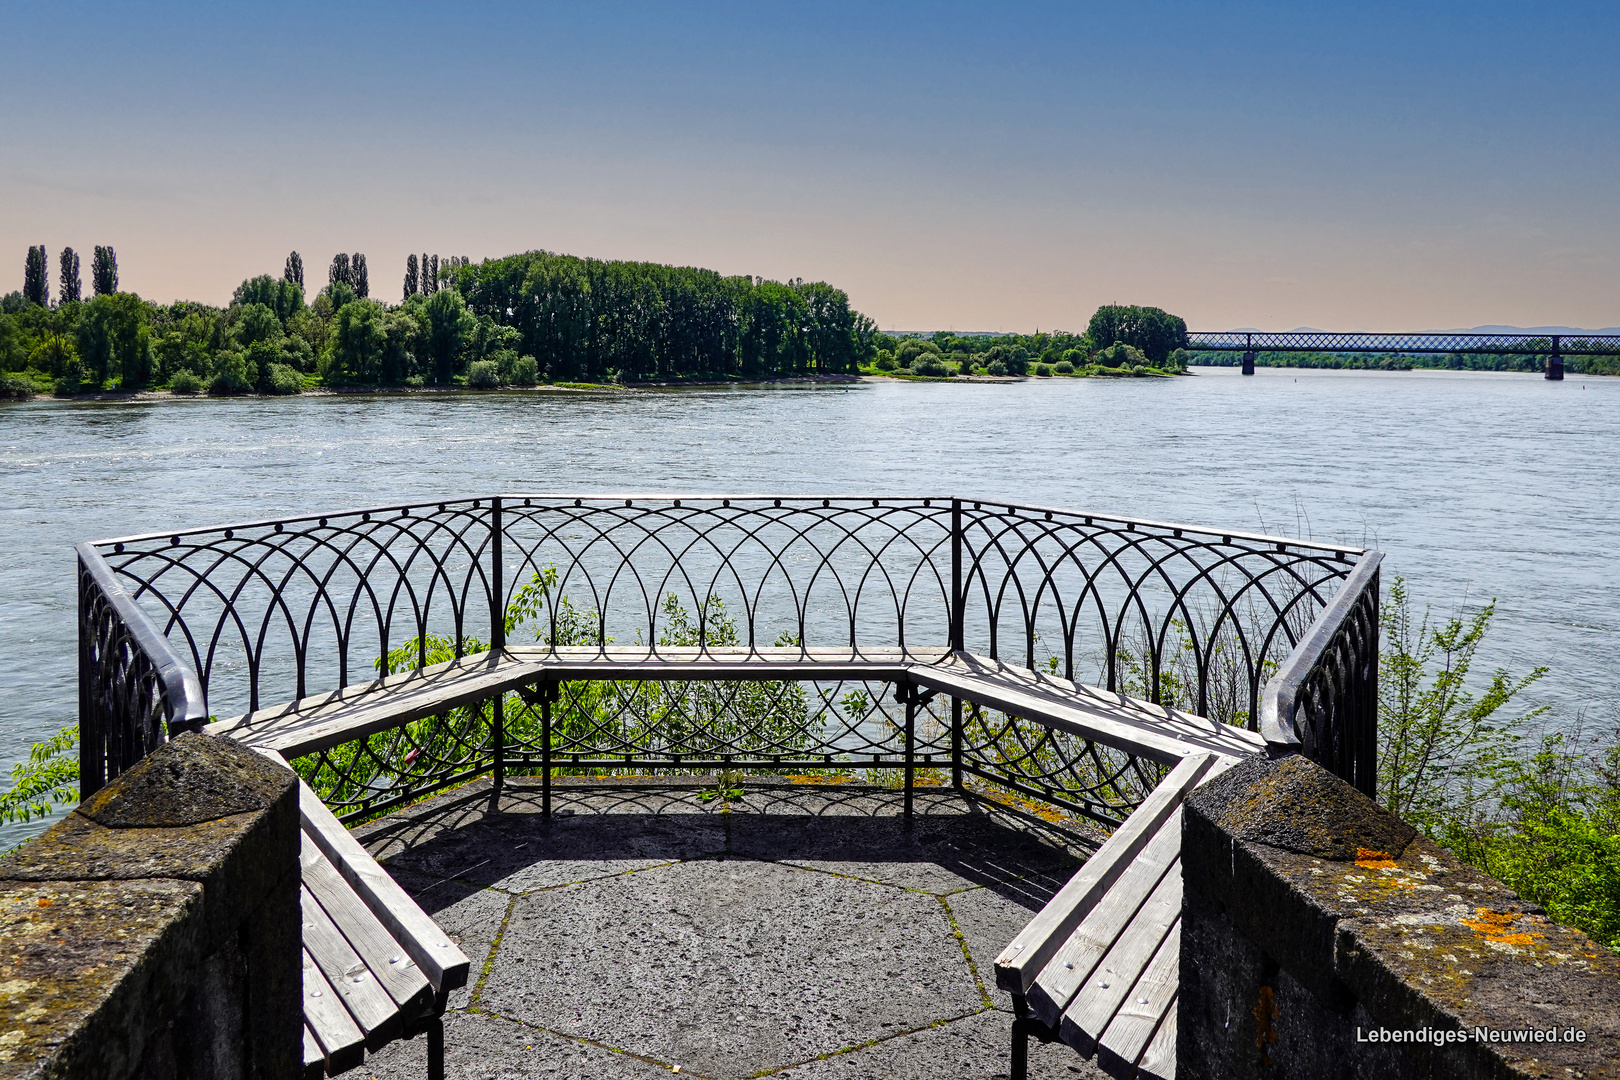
(1314,922)
(154,932)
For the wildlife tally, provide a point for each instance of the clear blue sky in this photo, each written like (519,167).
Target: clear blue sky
(1350,165)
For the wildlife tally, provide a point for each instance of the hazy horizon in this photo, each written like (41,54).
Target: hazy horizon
(1240,164)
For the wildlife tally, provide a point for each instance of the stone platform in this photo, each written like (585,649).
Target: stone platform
(800,931)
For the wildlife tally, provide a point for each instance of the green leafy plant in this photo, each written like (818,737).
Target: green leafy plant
(48,779)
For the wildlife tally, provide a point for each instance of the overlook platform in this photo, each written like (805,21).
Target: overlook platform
(802,930)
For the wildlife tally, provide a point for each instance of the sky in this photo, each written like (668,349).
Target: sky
(977,166)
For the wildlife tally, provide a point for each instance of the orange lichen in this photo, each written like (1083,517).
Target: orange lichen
(44,901)
(1501,927)
(1265,1019)
(1373,859)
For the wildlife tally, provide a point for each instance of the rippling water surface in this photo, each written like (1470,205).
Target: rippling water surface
(1476,485)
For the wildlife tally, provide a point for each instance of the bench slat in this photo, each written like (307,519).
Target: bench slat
(1159,1059)
(314,1060)
(1088,1015)
(342,1044)
(1129,1032)
(387,959)
(440,960)
(1116,727)
(1036,943)
(376,1014)
(1056,985)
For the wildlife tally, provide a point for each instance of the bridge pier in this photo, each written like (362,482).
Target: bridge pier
(1248,364)
(1555,363)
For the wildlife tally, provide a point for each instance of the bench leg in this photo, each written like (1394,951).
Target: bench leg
(435,1049)
(1023,1026)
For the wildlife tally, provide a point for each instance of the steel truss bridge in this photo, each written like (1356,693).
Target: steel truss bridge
(1554,347)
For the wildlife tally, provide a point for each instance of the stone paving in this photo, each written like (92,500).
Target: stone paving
(801,931)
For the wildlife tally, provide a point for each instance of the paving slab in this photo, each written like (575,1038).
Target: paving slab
(490,1048)
(989,919)
(972,1048)
(727,967)
(799,928)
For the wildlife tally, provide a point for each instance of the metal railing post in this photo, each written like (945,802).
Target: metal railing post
(498,731)
(497,601)
(547,693)
(956,743)
(958,629)
(911,741)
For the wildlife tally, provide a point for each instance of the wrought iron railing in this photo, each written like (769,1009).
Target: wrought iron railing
(1323,702)
(134,691)
(271,611)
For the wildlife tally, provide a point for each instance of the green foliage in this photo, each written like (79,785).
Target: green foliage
(1043,370)
(231,374)
(36,280)
(104,271)
(1063,367)
(69,280)
(284,380)
(1152,330)
(185,382)
(484,375)
(932,367)
(525,372)
(282,298)
(293,272)
(48,779)
(1541,814)
(16,387)
(1121,355)
(66,386)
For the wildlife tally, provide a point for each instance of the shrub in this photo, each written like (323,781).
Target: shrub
(886,362)
(1064,367)
(231,374)
(66,386)
(415,382)
(1178,360)
(905,359)
(933,367)
(1121,355)
(284,380)
(995,367)
(483,375)
(185,382)
(16,387)
(1043,370)
(526,371)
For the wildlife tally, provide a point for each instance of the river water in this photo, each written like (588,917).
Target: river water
(1476,485)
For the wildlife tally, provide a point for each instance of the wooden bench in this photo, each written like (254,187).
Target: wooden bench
(376,967)
(1098,967)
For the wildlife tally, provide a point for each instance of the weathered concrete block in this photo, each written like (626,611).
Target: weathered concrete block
(1314,921)
(154,931)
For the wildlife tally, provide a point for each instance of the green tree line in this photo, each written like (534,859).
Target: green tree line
(518,320)
(1119,340)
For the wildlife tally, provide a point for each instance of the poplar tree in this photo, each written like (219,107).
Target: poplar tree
(294,271)
(357,275)
(36,287)
(410,276)
(340,271)
(70,276)
(433,273)
(104,271)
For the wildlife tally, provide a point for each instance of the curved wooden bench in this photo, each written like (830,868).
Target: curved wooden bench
(1096,967)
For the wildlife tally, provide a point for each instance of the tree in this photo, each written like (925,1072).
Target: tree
(36,286)
(359,339)
(284,297)
(294,271)
(434,275)
(1155,331)
(70,276)
(340,272)
(357,276)
(410,277)
(449,323)
(113,339)
(104,271)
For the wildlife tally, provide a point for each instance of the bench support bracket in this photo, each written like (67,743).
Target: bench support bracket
(1023,1026)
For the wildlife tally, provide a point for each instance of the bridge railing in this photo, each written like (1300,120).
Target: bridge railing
(271,611)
